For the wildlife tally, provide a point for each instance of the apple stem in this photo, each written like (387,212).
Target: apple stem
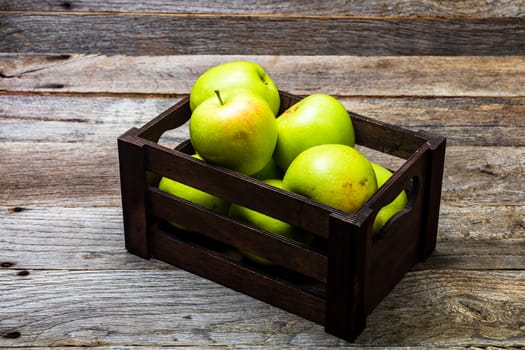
(219,97)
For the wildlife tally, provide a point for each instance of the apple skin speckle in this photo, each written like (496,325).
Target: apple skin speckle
(332,174)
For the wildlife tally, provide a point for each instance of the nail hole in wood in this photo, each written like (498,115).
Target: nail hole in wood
(51,86)
(58,57)
(11,335)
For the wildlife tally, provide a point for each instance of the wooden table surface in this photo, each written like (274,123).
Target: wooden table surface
(74,75)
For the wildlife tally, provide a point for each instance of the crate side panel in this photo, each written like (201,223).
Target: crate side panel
(237,188)
(395,250)
(392,255)
(214,267)
(280,250)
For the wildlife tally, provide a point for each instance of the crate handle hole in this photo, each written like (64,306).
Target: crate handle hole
(411,189)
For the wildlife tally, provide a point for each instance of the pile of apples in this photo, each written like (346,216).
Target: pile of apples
(307,149)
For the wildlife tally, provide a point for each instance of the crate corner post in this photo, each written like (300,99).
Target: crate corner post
(433,186)
(133,184)
(348,247)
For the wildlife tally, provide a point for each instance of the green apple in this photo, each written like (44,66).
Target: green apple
(316,119)
(238,74)
(193,195)
(268,223)
(336,175)
(384,214)
(270,171)
(237,130)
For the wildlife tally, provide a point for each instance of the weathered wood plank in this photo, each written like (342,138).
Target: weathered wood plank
(175,308)
(155,308)
(475,175)
(212,347)
(254,347)
(486,254)
(465,308)
(67,238)
(476,121)
(86,174)
(505,8)
(336,75)
(464,121)
(478,222)
(74,174)
(66,278)
(134,34)
(77,119)
(482,238)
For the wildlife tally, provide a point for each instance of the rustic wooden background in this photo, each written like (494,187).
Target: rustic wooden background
(74,75)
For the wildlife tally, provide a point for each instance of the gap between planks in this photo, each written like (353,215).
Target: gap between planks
(409,8)
(240,15)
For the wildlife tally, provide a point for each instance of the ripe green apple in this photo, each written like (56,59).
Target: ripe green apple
(270,171)
(236,129)
(316,119)
(238,74)
(193,195)
(336,175)
(384,214)
(268,223)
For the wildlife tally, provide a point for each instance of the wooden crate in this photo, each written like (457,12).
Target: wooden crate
(337,283)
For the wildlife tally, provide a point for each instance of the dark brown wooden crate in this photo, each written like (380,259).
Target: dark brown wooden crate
(337,283)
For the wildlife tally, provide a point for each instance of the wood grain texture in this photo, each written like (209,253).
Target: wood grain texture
(76,74)
(481,222)
(67,238)
(78,119)
(78,238)
(469,307)
(337,75)
(153,309)
(72,173)
(175,308)
(471,177)
(482,121)
(86,174)
(407,8)
(134,34)
(464,121)
(479,255)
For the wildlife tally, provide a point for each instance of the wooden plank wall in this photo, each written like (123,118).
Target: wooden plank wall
(76,74)
(265,27)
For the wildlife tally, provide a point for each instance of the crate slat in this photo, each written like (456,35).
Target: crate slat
(215,267)
(280,250)
(238,188)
